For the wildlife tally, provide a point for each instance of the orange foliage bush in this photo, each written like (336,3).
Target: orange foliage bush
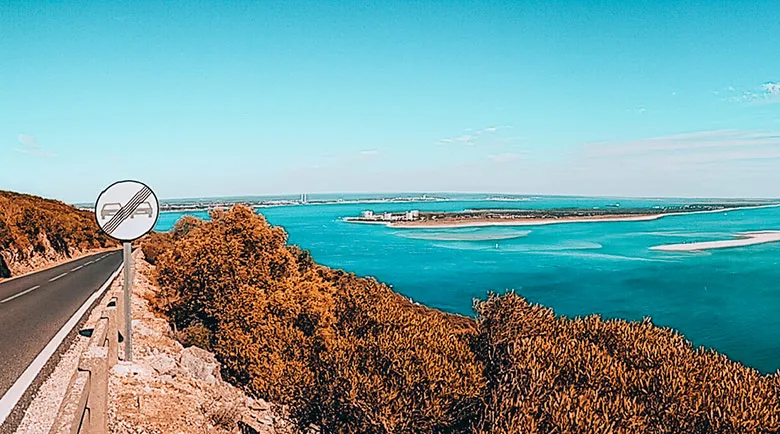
(31,225)
(551,374)
(343,353)
(154,244)
(351,356)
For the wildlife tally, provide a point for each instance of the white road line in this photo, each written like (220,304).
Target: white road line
(98,259)
(55,278)
(20,294)
(88,263)
(77,268)
(14,394)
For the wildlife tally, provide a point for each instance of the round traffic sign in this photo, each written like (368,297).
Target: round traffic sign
(127,210)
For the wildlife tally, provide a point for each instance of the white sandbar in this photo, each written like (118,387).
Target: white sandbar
(744,239)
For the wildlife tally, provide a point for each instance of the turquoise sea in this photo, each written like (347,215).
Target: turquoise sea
(726,299)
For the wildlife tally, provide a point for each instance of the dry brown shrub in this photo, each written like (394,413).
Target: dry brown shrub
(184,226)
(222,414)
(585,375)
(29,225)
(196,335)
(155,244)
(344,353)
(389,358)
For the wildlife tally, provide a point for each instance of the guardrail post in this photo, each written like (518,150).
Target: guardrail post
(71,417)
(112,335)
(85,405)
(95,360)
(120,309)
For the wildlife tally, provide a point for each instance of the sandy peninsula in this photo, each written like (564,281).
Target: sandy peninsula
(486,218)
(444,224)
(743,239)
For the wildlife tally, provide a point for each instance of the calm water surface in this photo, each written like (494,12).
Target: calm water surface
(724,299)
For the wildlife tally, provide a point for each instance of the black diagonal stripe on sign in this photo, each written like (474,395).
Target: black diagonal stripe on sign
(121,212)
(126,211)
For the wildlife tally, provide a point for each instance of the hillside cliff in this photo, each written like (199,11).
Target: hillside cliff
(35,232)
(348,355)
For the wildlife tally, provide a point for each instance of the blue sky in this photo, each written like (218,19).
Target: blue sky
(237,98)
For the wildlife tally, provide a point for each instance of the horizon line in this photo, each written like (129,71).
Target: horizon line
(397,193)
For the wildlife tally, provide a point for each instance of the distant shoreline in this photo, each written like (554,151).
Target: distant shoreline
(209,205)
(485,222)
(515,222)
(206,207)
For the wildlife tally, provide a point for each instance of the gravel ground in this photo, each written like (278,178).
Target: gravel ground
(43,409)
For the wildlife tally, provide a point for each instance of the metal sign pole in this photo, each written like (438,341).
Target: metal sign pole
(126,211)
(128,306)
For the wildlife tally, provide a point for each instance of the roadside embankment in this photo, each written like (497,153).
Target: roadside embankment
(36,233)
(171,389)
(167,389)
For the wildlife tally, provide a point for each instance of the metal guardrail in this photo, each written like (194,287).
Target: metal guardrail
(84,407)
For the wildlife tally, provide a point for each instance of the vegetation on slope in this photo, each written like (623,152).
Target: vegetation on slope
(351,356)
(31,226)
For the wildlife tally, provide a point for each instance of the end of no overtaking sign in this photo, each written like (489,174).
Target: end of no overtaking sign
(127,210)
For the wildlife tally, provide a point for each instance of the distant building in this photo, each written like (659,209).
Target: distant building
(387,216)
(412,215)
(368,214)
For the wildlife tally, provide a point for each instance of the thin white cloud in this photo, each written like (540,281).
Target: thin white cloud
(726,156)
(767,93)
(471,136)
(368,152)
(772,88)
(505,157)
(688,149)
(493,129)
(29,145)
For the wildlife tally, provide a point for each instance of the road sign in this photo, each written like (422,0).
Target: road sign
(127,210)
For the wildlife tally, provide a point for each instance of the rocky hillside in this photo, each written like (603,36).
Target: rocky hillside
(35,232)
(172,389)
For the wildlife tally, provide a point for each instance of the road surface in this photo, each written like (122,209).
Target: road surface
(34,308)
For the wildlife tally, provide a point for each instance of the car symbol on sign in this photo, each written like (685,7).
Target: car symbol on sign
(111,209)
(145,208)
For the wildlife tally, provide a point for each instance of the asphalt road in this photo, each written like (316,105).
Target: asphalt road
(34,308)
